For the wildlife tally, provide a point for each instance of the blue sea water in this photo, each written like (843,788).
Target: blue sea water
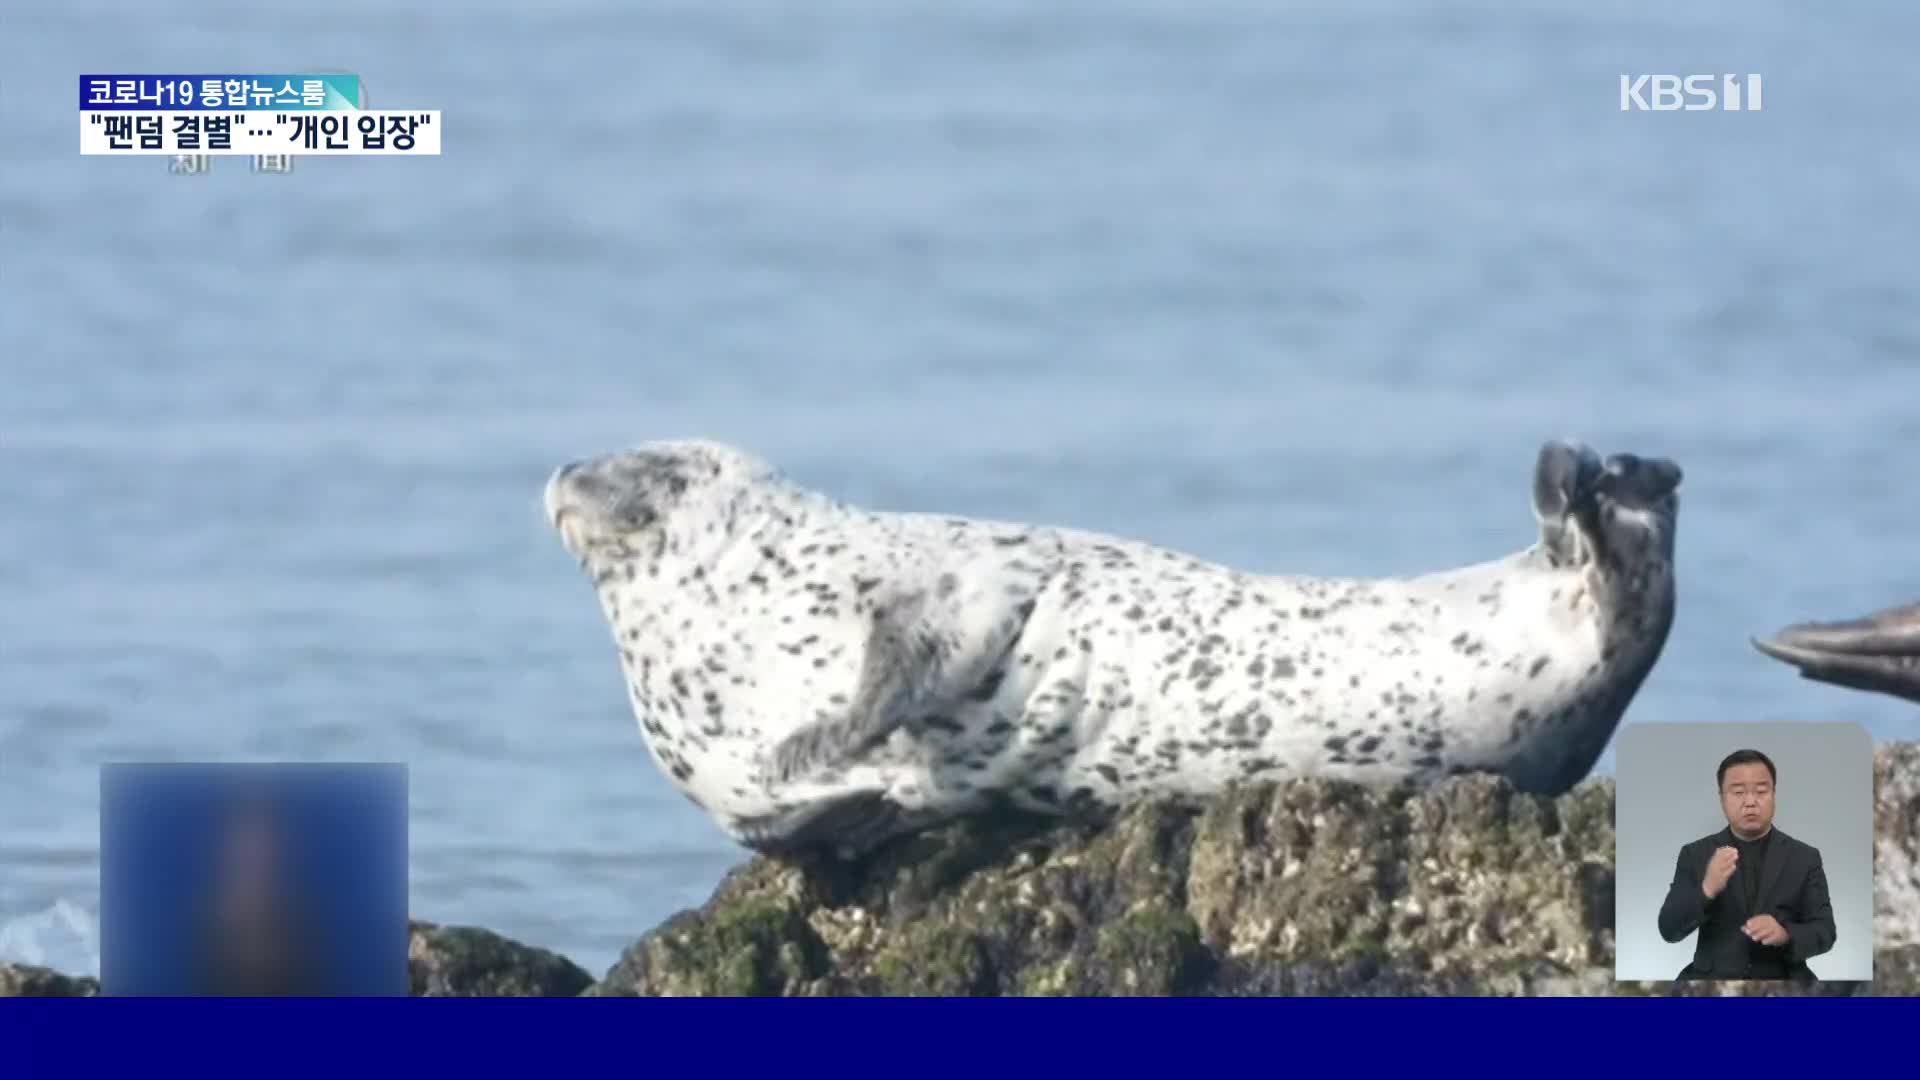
(1296,286)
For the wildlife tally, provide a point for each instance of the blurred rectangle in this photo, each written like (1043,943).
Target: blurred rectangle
(256,880)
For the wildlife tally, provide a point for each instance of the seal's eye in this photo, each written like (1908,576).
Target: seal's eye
(634,511)
(660,478)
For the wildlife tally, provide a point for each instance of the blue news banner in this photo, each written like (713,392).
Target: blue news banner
(245,880)
(228,93)
(246,115)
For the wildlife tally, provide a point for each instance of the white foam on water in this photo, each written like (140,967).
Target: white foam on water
(65,937)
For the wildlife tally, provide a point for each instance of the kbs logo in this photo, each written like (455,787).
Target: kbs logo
(1693,93)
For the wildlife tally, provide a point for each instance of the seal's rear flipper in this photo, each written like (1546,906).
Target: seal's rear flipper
(1878,653)
(1564,476)
(1636,481)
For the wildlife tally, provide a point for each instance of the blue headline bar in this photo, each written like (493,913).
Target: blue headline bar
(1612,1037)
(182,93)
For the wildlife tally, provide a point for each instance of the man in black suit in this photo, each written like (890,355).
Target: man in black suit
(1757,896)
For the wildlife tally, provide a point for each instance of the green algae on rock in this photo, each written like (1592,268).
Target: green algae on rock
(31,980)
(1301,887)
(465,961)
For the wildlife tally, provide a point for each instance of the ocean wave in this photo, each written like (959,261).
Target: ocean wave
(64,936)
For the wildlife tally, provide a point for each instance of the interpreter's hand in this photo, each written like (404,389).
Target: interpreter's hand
(1719,870)
(1766,930)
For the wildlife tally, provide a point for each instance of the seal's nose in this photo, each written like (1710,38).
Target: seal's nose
(557,495)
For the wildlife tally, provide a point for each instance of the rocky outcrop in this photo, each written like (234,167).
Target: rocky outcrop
(442,961)
(1307,887)
(1896,845)
(29,980)
(465,961)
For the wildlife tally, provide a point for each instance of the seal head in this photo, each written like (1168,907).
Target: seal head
(673,500)
(1878,653)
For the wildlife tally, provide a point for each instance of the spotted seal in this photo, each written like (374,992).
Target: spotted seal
(1878,653)
(817,675)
